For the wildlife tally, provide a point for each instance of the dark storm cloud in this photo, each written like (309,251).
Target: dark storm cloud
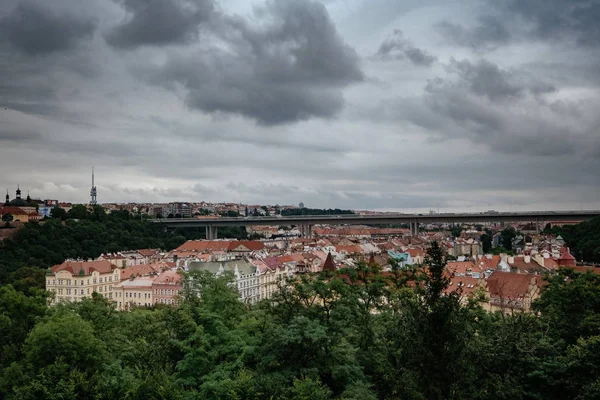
(489,32)
(506,110)
(397,47)
(570,21)
(559,19)
(38,30)
(289,68)
(159,22)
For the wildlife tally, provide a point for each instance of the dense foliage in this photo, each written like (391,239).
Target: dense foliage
(86,235)
(583,239)
(355,334)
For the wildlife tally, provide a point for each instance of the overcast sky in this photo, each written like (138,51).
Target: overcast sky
(366,104)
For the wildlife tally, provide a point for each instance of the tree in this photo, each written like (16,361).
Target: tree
(508,234)
(58,213)
(78,211)
(7,218)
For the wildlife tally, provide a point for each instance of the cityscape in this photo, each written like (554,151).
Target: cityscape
(300,200)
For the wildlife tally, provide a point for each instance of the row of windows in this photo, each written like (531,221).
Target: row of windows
(167,291)
(67,282)
(165,301)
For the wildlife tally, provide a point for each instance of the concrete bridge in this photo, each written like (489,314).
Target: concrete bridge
(305,222)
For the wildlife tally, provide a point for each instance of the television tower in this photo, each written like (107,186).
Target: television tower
(93,191)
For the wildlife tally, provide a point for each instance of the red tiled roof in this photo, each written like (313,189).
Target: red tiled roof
(250,244)
(218,245)
(509,285)
(15,211)
(74,267)
(353,249)
(138,270)
(415,252)
(565,254)
(329,265)
(168,277)
(462,267)
(148,252)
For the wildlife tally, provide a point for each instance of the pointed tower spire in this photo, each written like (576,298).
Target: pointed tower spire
(28,197)
(372,259)
(7,198)
(18,192)
(329,265)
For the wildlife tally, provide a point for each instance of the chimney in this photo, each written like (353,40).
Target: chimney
(527,259)
(511,259)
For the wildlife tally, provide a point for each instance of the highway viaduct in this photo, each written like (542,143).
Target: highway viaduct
(305,222)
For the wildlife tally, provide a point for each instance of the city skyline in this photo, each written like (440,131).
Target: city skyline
(380,105)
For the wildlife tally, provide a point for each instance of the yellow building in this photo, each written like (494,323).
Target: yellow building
(75,280)
(134,292)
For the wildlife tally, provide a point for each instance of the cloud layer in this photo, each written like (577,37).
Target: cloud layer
(355,104)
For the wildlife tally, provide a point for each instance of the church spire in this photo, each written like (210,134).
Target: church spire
(18,192)
(329,265)
(28,197)
(7,198)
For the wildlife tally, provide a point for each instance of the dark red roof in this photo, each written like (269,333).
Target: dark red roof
(329,265)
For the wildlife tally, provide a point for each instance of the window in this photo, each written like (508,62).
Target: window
(100,280)
(88,291)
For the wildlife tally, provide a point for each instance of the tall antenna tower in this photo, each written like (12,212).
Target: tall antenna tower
(93,191)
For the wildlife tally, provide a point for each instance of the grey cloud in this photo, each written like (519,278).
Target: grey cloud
(489,33)
(397,47)
(505,110)
(38,30)
(487,79)
(560,19)
(566,21)
(160,22)
(289,69)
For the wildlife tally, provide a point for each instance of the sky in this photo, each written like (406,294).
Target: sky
(406,105)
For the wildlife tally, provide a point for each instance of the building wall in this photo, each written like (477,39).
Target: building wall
(166,293)
(68,287)
(128,296)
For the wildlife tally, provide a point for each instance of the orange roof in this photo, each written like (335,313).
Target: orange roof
(74,267)
(203,245)
(462,267)
(219,245)
(15,211)
(148,252)
(138,270)
(466,284)
(168,277)
(290,258)
(353,249)
(509,285)
(415,252)
(250,244)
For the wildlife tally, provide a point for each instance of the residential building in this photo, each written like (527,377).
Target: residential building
(245,274)
(75,280)
(136,291)
(509,291)
(166,287)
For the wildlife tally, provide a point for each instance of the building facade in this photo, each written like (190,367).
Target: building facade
(75,280)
